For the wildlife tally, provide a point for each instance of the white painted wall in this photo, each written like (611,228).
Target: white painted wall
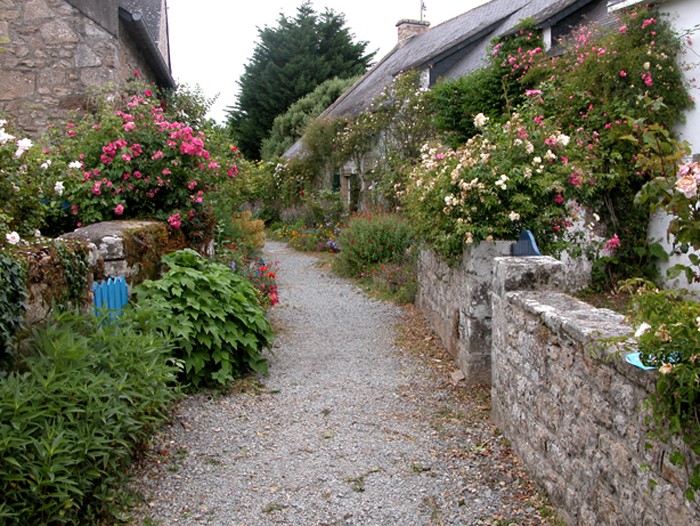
(684,15)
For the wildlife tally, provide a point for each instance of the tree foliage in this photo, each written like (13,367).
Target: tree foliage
(290,61)
(290,126)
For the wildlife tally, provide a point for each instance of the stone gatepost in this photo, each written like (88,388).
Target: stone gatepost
(457,302)
(126,248)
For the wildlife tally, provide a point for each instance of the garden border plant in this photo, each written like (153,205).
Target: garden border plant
(213,315)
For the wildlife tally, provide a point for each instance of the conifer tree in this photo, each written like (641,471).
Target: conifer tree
(289,61)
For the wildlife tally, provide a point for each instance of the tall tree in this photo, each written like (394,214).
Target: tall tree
(290,125)
(288,62)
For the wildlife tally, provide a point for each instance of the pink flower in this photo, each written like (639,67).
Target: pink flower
(129,126)
(623,73)
(119,209)
(623,29)
(126,157)
(612,244)
(157,155)
(148,93)
(648,80)
(533,92)
(559,199)
(191,185)
(174,220)
(688,186)
(166,171)
(74,209)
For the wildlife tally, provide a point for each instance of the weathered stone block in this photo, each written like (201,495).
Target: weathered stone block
(573,410)
(17,84)
(58,32)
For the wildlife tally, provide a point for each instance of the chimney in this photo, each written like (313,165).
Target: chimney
(410,28)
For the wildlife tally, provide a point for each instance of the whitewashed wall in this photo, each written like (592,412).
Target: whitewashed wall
(684,15)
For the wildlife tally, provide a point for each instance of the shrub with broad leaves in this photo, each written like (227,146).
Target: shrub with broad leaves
(214,316)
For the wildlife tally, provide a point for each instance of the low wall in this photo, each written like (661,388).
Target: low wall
(575,416)
(457,302)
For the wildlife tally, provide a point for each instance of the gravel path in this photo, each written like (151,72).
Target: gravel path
(346,430)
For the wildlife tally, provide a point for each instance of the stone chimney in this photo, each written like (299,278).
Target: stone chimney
(410,28)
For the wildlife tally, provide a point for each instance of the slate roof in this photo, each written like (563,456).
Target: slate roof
(461,41)
(151,12)
(455,47)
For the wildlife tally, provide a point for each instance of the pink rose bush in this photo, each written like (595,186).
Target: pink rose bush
(132,159)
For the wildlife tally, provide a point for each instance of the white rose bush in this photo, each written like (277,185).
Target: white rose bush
(508,178)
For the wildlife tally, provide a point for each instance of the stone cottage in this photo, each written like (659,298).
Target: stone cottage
(449,50)
(52,51)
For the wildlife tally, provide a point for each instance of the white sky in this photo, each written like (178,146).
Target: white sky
(212,40)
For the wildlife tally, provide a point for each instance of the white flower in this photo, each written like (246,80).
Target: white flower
(480,120)
(666,368)
(5,137)
(46,164)
(644,327)
(501,183)
(22,146)
(527,173)
(549,155)
(647,65)
(513,216)
(37,233)
(529,148)
(75,165)
(58,187)
(537,160)
(563,140)
(12,238)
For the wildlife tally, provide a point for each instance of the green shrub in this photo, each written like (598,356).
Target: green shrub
(370,239)
(13,292)
(88,395)
(214,316)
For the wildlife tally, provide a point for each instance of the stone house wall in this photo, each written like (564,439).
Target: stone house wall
(574,411)
(53,52)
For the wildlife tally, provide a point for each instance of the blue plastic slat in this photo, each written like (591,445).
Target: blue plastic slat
(525,245)
(112,294)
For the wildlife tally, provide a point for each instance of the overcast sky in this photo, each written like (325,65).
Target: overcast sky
(212,40)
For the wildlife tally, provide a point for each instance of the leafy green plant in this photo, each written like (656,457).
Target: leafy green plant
(510,177)
(13,292)
(370,239)
(87,396)
(212,314)
(668,336)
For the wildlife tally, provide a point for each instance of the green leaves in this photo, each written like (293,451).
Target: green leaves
(90,395)
(290,61)
(212,315)
(13,292)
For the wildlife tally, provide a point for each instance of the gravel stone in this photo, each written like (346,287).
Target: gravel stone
(347,429)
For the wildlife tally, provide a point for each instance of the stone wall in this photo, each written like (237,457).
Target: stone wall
(457,302)
(573,411)
(127,248)
(53,53)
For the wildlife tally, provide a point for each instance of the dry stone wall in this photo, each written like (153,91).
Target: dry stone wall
(573,410)
(53,53)
(457,302)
